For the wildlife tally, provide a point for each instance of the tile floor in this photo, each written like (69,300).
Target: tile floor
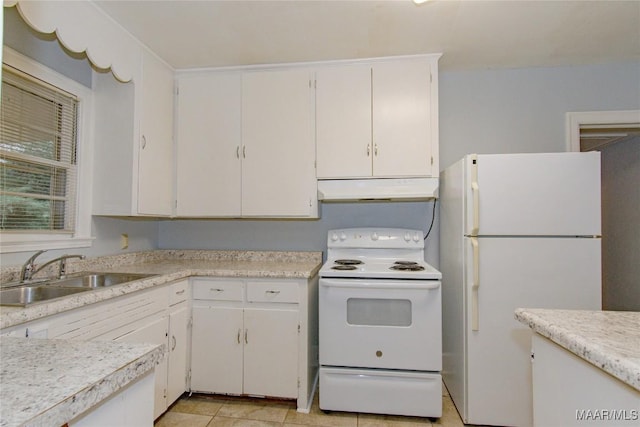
(202,410)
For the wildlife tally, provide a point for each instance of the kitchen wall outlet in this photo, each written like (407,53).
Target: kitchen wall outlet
(124,241)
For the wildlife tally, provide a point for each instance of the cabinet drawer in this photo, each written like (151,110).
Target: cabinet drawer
(218,291)
(178,292)
(272,292)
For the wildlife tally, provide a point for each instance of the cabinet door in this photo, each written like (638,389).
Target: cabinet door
(568,390)
(155,333)
(216,350)
(132,406)
(271,352)
(155,161)
(402,119)
(208,145)
(278,153)
(177,372)
(343,121)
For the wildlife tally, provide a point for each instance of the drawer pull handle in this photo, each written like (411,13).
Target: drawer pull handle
(180,292)
(272,292)
(216,290)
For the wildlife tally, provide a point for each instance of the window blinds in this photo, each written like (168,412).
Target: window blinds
(38,141)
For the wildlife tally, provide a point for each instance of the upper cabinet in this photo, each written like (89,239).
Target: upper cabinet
(278,144)
(209,144)
(250,141)
(343,127)
(378,119)
(155,148)
(245,144)
(133,161)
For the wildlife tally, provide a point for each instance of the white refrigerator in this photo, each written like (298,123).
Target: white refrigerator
(516,230)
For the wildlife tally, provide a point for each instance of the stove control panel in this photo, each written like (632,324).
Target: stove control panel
(391,238)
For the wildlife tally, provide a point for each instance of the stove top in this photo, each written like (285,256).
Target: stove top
(380,253)
(348,262)
(382,269)
(406,266)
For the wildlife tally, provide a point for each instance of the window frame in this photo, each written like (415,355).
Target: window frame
(81,236)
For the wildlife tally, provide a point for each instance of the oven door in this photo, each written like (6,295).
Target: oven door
(372,323)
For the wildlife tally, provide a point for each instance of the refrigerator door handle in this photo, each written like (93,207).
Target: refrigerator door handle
(475,191)
(475,315)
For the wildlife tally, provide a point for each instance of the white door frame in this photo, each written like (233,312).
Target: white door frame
(575,119)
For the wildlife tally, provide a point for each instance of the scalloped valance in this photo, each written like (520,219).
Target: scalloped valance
(81,27)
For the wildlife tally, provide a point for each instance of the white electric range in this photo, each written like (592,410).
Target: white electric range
(380,322)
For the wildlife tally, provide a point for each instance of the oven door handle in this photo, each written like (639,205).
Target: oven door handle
(369,285)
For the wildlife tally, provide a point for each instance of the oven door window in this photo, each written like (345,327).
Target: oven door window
(379,312)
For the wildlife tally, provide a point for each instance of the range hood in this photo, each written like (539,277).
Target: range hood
(398,189)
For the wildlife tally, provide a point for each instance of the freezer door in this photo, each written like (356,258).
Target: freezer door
(536,194)
(502,274)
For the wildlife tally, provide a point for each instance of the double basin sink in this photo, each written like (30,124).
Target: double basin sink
(23,295)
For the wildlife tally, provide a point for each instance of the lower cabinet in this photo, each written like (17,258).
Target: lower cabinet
(129,407)
(249,351)
(158,316)
(253,337)
(217,340)
(178,350)
(154,332)
(569,391)
(169,327)
(271,352)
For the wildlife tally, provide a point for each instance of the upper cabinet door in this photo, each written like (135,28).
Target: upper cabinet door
(278,150)
(402,143)
(343,127)
(209,145)
(155,154)
(378,119)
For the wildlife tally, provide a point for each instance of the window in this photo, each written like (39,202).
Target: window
(38,141)
(44,158)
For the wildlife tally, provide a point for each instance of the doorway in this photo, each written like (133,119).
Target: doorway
(616,134)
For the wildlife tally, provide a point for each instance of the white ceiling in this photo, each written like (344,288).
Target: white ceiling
(471,34)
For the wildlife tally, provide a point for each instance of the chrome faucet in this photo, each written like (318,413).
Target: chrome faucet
(29,268)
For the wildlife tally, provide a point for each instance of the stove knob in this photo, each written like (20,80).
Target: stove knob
(416,237)
(343,237)
(374,236)
(334,237)
(407,237)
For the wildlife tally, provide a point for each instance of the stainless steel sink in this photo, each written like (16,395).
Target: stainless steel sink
(26,295)
(97,280)
(46,290)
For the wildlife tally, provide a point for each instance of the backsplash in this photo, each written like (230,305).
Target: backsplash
(11,273)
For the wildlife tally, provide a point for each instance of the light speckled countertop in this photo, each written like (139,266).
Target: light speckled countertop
(50,382)
(610,340)
(168,265)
